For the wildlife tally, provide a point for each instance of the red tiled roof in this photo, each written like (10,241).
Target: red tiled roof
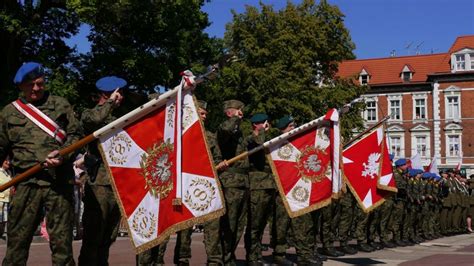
(461,43)
(387,70)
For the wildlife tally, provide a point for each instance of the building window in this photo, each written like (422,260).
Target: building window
(396,146)
(452,107)
(454,145)
(460,62)
(364,79)
(420,109)
(406,76)
(395,110)
(471,55)
(371,111)
(421,147)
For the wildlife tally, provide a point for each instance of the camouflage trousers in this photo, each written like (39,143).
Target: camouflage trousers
(373,227)
(396,224)
(26,212)
(263,204)
(234,221)
(386,219)
(330,216)
(101,220)
(347,210)
(182,250)
(361,225)
(304,228)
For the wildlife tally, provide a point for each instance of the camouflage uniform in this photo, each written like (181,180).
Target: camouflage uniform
(399,204)
(235,184)
(304,228)
(263,203)
(51,189)
(347,210)
(101,218)
(446,192)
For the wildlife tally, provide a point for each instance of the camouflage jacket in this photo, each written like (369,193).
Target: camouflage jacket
(93,119)
(231,144)
(30,144)
(213,147)
(260,174)
(401,184)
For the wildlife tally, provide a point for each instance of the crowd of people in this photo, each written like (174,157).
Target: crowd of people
(36,126)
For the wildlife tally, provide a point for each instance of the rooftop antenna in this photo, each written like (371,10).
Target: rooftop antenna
(407,47)
(417,48)
(392,53)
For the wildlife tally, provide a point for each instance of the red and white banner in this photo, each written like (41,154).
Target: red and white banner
(368,170)
(306,166)
(143,159)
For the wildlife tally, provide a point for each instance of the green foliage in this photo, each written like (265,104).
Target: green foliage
(287,63)
(147,42)
(35,31)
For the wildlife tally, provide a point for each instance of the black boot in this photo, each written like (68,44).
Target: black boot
(332,252)
(348,249)
(364,247)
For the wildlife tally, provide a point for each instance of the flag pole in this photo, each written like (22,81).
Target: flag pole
(189,81)
(365,132)
(287,135)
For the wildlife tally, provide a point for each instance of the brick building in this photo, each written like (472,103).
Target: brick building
(430,99)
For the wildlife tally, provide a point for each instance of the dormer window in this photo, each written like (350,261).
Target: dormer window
(463,60)
(364,77)
(406,74)
(460,62)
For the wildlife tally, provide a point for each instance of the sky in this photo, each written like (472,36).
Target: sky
(377,27)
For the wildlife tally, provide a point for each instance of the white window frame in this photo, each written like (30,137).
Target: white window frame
(366,113)
(414,143)
(452,94)
(420,97)
(391,98)
(396,131)
(405,70)
(366,74)
(466,57)
(453,130)
(401,151)
(449,143)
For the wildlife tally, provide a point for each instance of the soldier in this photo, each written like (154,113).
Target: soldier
(446,195)
(399,202)
(234,180)
(303,226)
(263,199)
(33,128)
(470,213)
(101,218)
(347,210)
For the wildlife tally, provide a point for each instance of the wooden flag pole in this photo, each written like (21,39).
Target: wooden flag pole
(189,81)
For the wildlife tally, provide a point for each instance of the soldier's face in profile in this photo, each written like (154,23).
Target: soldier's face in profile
(202,114)
(33,90)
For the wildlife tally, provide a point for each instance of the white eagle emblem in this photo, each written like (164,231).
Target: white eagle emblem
(372,166)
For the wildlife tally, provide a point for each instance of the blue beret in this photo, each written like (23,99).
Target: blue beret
(284,121)
(110,83)
(436,177)
(259,118)
(426,175)
(400,162)
(27,72)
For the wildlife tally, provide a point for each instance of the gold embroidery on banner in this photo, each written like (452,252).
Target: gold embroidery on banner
(144,225)
(119,148)
(157,169)
(300,194)
(187,115)
(201,196)
(313,164)
(285,151)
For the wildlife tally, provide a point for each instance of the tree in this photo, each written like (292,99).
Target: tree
(146,42)
(287,62)
(35,31)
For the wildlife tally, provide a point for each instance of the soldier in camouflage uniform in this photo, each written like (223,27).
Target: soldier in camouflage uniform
(52,188)
(470,213)
(101,216)
(347,210)
(330,218)
(446,195)
(263,200)
(399,203)
(234,180)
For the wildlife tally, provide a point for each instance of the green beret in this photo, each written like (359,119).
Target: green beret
(284,121)
(259,118)
(233,104)
(202,104)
